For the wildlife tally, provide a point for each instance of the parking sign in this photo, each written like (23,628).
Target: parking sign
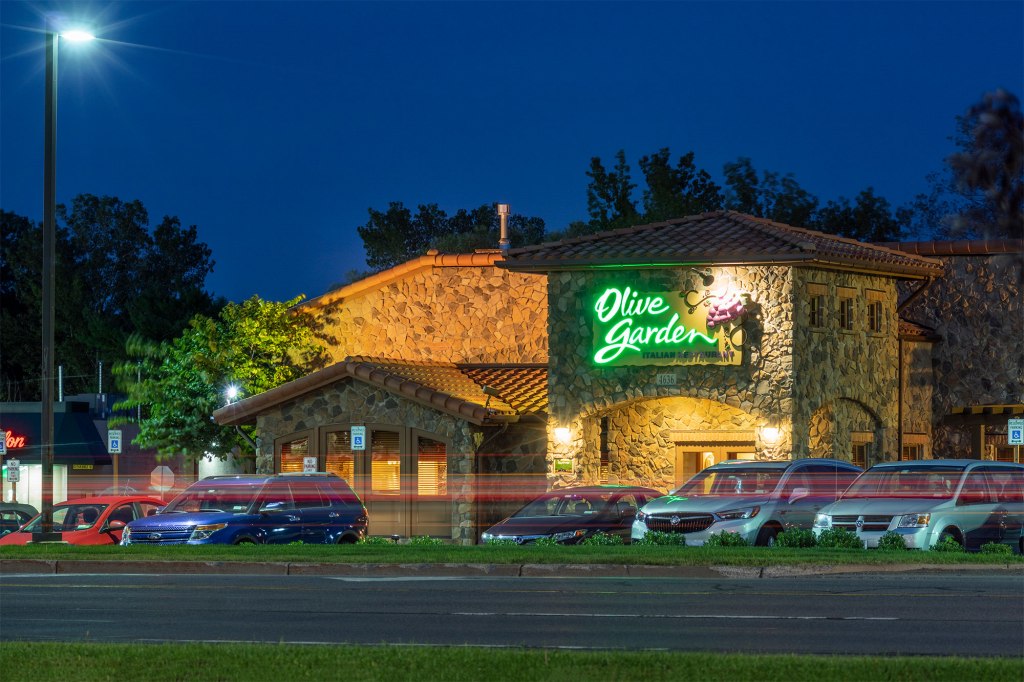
(358,438)
(1015,432)
(114,441)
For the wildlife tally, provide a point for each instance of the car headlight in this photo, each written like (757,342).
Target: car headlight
(822,521)
(486,537)
(914,520)
(569,535)
(126,535)
(640,516)
(743,513)
(203,531)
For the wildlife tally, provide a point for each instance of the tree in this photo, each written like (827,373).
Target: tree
(870,219)
(676,192)
(394,236)
(609,195)
(773,196)
(113,277)
(255,346)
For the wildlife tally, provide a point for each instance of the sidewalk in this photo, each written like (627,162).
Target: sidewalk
(43,566)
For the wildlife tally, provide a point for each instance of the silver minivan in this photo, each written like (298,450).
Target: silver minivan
(972,501)
(756,499)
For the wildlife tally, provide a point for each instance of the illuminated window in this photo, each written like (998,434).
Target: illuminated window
(875,317)
(431,468)
(605,466)
(846,313)
(912,452)
(340,458)
(385,463)
(292,454)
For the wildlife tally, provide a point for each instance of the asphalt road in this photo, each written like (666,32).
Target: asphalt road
(854,614)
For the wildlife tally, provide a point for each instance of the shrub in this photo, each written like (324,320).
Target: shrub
(546,542)
(426,541)
(657,537)
(947,543)
(839,538)
(796,537)
(891,542)
(996,548)
(726,539)
(503,542)
(376,540)
(603,539)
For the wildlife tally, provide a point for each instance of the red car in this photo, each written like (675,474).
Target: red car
(90,520)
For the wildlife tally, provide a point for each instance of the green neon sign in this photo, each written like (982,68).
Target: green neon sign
(665,328)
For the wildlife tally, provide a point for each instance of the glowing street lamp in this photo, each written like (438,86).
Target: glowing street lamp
(49,241)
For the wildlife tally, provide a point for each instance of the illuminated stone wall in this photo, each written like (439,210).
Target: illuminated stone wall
(977,308)
(845,382)
(446,314)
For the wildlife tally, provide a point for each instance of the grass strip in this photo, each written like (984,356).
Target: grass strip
(445,554)
(98,662)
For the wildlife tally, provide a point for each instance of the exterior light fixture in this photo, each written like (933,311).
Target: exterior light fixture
(770,434)
(77,35)
(706,278)
(231,392)
(562,434)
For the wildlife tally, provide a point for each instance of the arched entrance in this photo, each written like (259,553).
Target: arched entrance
(848,430)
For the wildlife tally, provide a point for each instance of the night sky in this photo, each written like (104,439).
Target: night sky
(273,126)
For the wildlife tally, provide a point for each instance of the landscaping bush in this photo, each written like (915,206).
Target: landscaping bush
(839,538)
(726,539)
(603,539)
(657,537)
(376,540)
(797,537)
(947,544)
(891,542)
(546,542)
(426,541)
(996,548)
(503,542)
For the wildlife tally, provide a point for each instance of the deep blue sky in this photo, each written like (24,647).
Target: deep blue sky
(273,126)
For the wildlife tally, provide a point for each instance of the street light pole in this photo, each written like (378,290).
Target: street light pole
(49,248)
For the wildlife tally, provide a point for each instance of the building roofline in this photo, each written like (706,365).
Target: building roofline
(970,247)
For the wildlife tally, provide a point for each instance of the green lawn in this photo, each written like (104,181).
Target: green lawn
(412,554)
(94,662)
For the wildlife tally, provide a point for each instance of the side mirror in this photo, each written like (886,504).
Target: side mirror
(798,494)
(114,525)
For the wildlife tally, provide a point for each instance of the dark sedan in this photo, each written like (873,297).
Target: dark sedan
(13,516)
(571,515)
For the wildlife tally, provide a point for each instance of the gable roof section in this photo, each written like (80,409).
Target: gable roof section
(456,389)
(717,238)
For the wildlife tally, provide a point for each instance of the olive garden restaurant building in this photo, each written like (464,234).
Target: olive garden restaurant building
(465,384)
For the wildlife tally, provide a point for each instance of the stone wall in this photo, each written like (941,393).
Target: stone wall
(977,309)
(844,382)
(918,386)
(445,314)
(756,392)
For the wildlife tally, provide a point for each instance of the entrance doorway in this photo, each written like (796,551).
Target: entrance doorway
(696,451)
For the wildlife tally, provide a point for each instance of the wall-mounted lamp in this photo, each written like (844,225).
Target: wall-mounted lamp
(706,278)
(490,393)
(770,434)
(231,392)
(562,434)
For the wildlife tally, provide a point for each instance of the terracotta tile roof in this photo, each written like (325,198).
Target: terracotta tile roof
(457,389)
(975,247)
(718,238)
(914,331)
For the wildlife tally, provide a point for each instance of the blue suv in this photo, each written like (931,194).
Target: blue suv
(316,508)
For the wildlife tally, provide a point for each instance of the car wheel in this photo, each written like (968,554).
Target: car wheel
(245,541)
(347,540)
(766,538)
(949,533)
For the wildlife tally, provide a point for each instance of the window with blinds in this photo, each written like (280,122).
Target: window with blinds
(340,457)
(385,463)
(292,453)
(431,468)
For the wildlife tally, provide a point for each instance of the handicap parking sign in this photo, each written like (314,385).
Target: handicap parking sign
(358,438)
(1015,432)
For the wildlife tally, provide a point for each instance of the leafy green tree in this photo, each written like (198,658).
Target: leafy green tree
(609,195)
(396,235)
(676,192)
(869,219)
(773,196)
(254,345)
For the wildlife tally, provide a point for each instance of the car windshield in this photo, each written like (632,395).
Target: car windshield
(214,497)
(69,517)
(938,482)
(732,482)
(566,504)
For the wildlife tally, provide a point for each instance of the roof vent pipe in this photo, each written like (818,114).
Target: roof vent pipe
(503,243)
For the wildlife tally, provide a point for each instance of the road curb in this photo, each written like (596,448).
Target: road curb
(49,566)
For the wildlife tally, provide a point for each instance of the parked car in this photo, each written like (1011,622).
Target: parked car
(755,499)
(313,508)
(571,515)
(14,515)
(89,520)
(924,501)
